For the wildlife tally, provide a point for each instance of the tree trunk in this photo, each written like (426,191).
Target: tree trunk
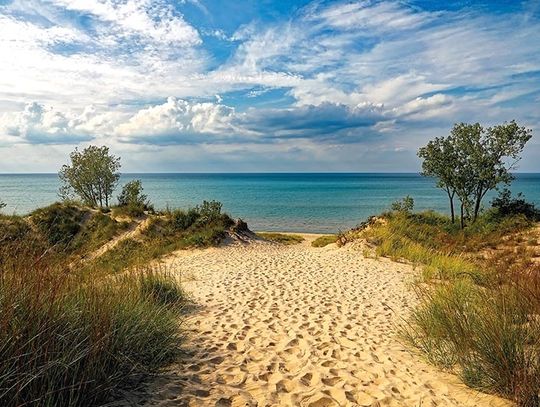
(451,198)
(479,195)
(462,219)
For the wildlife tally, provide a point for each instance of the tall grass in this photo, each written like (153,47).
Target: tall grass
(479,314)
(67,339)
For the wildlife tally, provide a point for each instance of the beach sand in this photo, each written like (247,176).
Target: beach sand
(295,325)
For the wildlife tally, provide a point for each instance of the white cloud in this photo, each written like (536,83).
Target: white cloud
(178,121)
(152,20)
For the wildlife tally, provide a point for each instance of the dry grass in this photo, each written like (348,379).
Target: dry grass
(74,334)
(479,311)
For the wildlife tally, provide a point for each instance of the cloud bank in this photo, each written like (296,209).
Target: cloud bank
(327,81)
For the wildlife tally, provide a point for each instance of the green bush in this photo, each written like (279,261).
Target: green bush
(209,211)
(132,201)
(506,205)
(323,241)
(183,220)
(404,205)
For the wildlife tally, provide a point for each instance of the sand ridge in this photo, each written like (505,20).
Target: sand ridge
(300,326)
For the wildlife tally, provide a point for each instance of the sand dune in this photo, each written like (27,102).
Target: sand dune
(300,326)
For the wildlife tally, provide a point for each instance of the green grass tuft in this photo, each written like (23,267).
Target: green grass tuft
(324,240)
(281,238)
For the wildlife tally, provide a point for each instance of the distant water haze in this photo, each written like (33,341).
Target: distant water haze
(294,202)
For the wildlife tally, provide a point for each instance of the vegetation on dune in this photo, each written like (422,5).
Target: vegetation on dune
(70,339)
(132,202)
(73,332)
(202,226)
(472,161)
(323,241)
(479,298)
(478,313)
(92,176)
(281,238)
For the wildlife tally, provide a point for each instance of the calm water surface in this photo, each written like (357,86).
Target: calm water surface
(317,203)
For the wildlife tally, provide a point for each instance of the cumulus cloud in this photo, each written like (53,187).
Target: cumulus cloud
(178,121)
(329,74)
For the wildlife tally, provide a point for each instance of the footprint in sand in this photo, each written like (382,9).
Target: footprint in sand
(300,326)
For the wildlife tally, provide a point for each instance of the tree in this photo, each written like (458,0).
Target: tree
(132,197)
(92,175)
(472,161)
(405,205)
(440,161)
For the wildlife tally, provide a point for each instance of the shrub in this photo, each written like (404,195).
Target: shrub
(2,204)
(506,205)
(132,200)
(404,205)
(183,220)
(209,211)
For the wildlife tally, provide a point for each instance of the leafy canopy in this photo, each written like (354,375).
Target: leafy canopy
(92,176)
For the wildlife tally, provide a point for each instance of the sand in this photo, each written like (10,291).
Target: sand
(295,325)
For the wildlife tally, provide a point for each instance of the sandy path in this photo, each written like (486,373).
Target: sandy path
(300,326)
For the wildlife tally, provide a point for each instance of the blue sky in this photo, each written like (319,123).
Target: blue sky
(213,85)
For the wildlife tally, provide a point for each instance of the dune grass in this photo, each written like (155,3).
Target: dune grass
(74,332)
(325,240)
(478,312)
(281,238)
(69,339)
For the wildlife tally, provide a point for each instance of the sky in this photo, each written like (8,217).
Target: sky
(260,85)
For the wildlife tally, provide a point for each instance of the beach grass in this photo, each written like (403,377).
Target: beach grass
(479,298)
(325,240)
(70,339)
(76,332)
(282,238)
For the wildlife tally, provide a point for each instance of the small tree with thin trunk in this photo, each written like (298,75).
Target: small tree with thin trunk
(92,176)
(440,159)
(472,161)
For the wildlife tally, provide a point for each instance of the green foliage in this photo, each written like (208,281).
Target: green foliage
(70,228)
(472,161)
(162,288)
(281,238)
(324,240)
(2,204)
(170,231)
(183,220)
(71,339)
(404,205)
(209,211)
(132,200)
(486,335)
(92,176)
(59,222)
(506,205)
(476,316)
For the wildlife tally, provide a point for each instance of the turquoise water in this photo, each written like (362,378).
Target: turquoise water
(317,203)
